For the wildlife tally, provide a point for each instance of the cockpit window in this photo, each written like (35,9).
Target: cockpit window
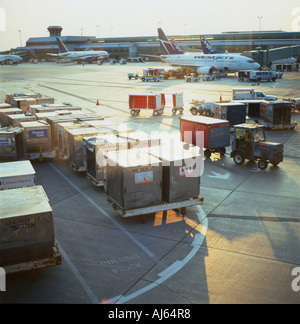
(251,61)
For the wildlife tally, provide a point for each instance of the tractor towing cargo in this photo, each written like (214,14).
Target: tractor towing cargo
(250,143)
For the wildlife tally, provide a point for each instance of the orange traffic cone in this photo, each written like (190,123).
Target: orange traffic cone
(97,102)
(220,98)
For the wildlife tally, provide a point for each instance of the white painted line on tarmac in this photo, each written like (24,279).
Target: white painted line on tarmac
(101,210)
(176,266)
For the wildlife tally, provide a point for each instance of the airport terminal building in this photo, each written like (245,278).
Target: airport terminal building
(260,45)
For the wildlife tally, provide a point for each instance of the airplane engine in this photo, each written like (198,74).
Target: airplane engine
(205,70)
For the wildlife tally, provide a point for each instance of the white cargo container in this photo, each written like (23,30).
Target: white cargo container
(17,174)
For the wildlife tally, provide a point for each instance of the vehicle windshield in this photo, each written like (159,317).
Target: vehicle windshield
(259,135)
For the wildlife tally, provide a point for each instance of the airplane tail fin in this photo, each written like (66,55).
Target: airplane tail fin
(208,48)
(61,46)
(169,48)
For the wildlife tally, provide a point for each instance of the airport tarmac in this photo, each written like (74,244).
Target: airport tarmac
(240,246)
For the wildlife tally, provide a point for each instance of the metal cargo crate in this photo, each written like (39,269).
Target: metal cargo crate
(26,226)
(54,121)
(15,120)
(182,168)
(133,179)
(11,143)
(211,133)
(95,149)
(24,103)
(234,112)
(63,143)
(17,174)
(45,115)
(76,145)
(36,137)
(4,113)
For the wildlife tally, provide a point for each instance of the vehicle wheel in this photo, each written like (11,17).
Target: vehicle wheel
(132,112)
(207,114)
(292,109)
(207,153)
(194,111)
(259,79)
(155,113)
(174,111)
(154,79)
(274,79)
(262,164)
(211,114)
(181,110)
(188,80)
(238,158)
(196,80)
(222,150)
(143,79)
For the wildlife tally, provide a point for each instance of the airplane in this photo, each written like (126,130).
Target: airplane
(208,48)
(204,63)
(289,60)
(80,56)
(15,59)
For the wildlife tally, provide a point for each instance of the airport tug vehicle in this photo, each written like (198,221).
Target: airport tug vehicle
(250,143)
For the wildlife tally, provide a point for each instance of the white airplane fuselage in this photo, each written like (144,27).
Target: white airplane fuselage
(11,58)
(217,62)
(84,55)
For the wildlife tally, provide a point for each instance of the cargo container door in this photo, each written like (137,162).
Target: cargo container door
(219,136)
(187,131)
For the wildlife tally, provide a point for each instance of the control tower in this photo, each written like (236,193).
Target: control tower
(55,31)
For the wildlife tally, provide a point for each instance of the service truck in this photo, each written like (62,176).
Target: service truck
(250,94)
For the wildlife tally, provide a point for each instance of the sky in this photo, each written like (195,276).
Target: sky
(20,20)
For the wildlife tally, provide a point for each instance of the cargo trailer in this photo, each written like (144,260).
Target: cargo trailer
(17,174)
(153,102)
(182,169)
(234,112)
(212,134)
(27,230)
(11,143)
(95,149)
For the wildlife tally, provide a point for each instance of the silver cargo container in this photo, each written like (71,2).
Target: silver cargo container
(54,121)
(4,113)
(15,120)
(94,150)
(63,143)
(24,103)
(36,137)
(11,143)
(133,179)
(181,171)
(141,139)
(17,174)
(76,145)
(26,226)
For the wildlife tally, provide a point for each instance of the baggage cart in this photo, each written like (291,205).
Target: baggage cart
(27,230)
(212,134)
(150,101)
(17,174)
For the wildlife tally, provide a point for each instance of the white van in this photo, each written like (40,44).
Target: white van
(262,76)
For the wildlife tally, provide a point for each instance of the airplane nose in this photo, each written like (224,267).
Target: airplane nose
(257,66)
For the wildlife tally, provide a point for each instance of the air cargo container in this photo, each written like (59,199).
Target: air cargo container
(151,101)
(76,145)
(89,116)
(182,168)
(24,103)
(15,120)
(11,143)
(63,143)
(210,133)
(26,230)
(4,113)
(234,112)
(133,179)
(94,150)
(54,121)
(5,105)
(17,174)
(37,139)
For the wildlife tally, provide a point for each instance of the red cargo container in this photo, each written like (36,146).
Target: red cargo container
(210,133)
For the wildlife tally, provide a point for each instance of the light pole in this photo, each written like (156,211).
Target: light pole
(20,31)
(185,26)
(98,30)
(260,18)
